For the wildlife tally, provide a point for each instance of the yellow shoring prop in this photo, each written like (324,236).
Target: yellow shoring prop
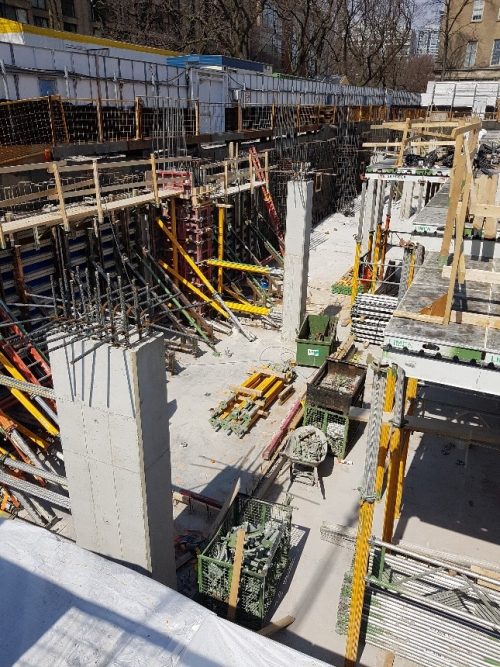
(204,280)
(220,247)
(193,288)
(173,221)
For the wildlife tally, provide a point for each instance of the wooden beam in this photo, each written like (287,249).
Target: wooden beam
(404,139)
(458,264)
(274,626)
(478,275)
(456,317)
(236,574)
(486,210)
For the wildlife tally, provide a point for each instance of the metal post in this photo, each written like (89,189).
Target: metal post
(220,247)
(368,497)
(385,432)
(411,393)
(359,240)
(378,235)
(395,459)
(175,253)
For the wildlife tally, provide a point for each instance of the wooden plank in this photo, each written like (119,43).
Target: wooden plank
(456,317)
(223,510)
(60,196)
(285,394)
(83,211)
(98,202)
(458,263)
(389,659)
(246,391)
(478,275)
(274,626)
(404,139)
(236,574)
(455,189)
(486,210)
(488,573)
(154,179)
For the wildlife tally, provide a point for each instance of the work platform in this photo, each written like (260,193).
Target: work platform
(457,354)
(386,170)
(432,218)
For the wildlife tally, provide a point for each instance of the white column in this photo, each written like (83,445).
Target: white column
(297,239)
(112,409)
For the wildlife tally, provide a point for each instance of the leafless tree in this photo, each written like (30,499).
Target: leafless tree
(363,39)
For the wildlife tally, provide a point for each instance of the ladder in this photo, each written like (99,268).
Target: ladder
(268,200)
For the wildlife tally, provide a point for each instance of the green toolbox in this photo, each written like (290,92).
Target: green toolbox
(316,340)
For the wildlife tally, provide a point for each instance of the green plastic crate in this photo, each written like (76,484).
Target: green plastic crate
(257,589)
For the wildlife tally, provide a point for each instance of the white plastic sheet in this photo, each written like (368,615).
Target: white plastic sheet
(66,606)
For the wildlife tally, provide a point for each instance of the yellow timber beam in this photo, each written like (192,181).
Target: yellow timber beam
(24,400)
(244,308)
(237,266)
(193,288)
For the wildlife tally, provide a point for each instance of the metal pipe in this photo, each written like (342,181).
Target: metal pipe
(431,561)
(34,490)
(36,472)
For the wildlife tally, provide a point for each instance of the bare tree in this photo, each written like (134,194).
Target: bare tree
(310,28)
(414,73)
(377,35)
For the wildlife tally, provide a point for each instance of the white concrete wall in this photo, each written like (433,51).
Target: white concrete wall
(112,408)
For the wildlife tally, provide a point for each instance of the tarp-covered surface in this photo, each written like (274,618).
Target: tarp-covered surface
(63,605)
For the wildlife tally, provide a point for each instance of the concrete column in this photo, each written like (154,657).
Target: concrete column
(370,208)
(297,239)
(112,408)
(407,199)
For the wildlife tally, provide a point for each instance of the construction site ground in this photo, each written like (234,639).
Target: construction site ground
(451,492)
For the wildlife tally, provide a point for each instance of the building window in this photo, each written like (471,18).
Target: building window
(498,15)
(41,21)
(68,8)
(47,87)
(13,13)
(70,27)
(470,54)
(39,4)
(495,54)
(477,10)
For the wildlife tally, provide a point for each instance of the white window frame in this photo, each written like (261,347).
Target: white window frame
(470,56)
(477,11)
(492,64)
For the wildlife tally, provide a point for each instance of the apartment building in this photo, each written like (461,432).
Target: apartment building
(473,50)
(427,42)
(68,15)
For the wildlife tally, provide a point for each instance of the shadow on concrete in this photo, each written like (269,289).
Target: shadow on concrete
(171,408)
(453,486)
